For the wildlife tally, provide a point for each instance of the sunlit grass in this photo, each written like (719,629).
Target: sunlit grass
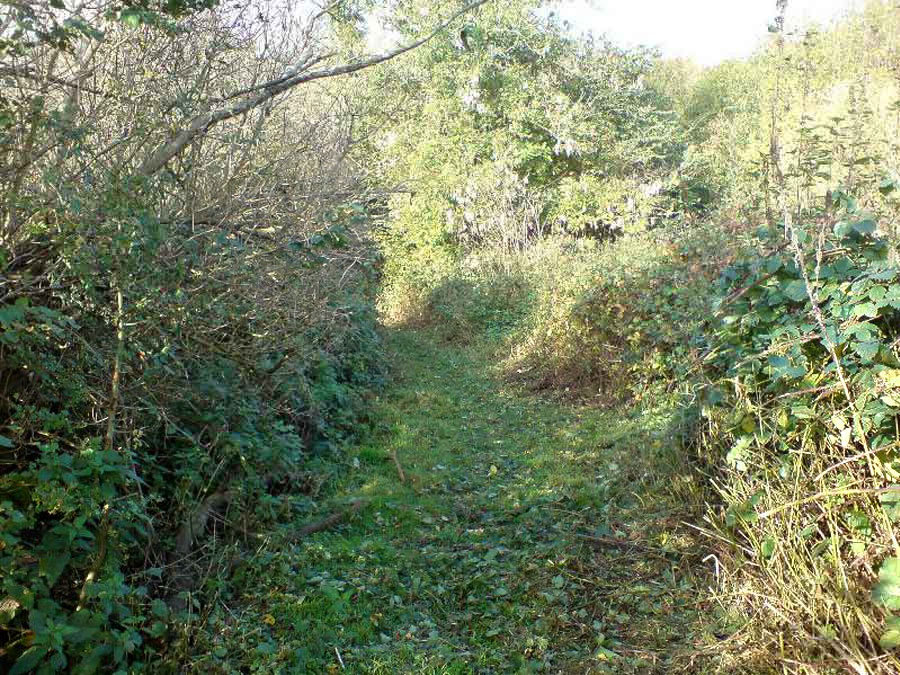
(517,542)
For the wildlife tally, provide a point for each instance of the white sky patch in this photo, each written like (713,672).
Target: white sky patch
(706,31)
(378,38)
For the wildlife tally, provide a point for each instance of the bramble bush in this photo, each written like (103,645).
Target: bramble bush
(799,420)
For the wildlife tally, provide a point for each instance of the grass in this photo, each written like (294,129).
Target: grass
(530,536)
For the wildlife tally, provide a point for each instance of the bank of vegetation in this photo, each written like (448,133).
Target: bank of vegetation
(206,207)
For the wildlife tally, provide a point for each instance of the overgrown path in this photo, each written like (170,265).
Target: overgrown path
(529,536)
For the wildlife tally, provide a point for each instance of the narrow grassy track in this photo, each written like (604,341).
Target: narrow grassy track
(530,536)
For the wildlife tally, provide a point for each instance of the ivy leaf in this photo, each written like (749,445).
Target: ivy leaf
(52,566)
(865,332)
(866,309)
(778,362)
(29,660)
(782,368)
(739,454)
(846,437)
(11,314)
(877,293)
(866,350)
(887,591)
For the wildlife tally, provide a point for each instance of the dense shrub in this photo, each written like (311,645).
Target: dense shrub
(608,321)
(519,132)
(801,415)
(187,286)
(148,409)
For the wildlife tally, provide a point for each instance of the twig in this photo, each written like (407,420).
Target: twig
(196,524)
(102,538)
(108,444)
(813,296)
(624,543)
(832,493)
(397,464)
(741,292)
(813,390)
(330,521)
(851,459)
(299,74)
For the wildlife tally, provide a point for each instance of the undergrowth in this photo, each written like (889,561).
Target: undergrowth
(526,535)
(154,417)
(781,351)
(610,321)
(800,415)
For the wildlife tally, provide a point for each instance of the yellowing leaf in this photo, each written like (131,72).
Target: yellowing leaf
(748,424)
(845,437)
(269,620)
(783,419)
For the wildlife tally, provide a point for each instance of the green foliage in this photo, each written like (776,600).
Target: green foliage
(771,343)
(887,591)
(522,131)
(60,24)
(799,410)
(467,308)
(485,557)
(608,321)
(833,118)
(178,382)
(200,412)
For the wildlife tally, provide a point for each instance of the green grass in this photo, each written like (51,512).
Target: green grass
(531,536)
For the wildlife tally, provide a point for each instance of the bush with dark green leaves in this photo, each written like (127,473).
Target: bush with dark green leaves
(158,407)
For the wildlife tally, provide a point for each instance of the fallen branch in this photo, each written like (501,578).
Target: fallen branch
(397,464)
(330,521)
(625,544)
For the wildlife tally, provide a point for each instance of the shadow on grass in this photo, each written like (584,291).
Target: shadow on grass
(463,310)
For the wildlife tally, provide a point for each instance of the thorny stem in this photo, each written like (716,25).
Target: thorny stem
(813,296)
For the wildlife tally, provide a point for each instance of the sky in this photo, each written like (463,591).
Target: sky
(706,31)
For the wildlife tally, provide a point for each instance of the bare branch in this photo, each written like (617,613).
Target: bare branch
(200,124)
